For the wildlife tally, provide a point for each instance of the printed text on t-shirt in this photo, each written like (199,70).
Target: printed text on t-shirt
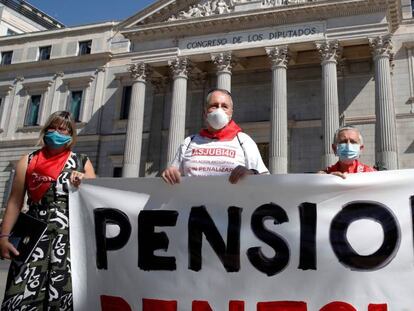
(214,152)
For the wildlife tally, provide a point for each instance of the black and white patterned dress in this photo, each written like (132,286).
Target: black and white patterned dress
(44,282)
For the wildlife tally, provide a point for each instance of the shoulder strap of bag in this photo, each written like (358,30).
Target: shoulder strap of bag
(244,150)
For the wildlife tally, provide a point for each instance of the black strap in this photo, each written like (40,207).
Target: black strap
(244,150)
(192,137)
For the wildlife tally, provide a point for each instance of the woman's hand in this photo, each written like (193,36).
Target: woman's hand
(76,178)
(7,249)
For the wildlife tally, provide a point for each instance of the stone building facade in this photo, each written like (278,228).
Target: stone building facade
(297,70)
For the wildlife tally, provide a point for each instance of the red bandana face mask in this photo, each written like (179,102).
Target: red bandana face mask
(226,133)
(42,170)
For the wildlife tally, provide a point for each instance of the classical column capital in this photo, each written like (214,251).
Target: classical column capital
(18,79)
(58,74)
(224,61)
(329,51)
(278,55)
(381,46)
(180,67)
(139,71)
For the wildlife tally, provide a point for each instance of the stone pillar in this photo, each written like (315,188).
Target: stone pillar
(154,156)
(224,64)
(278,149)
(329,51)
(179,68)
(99,90)
(56,92)
(385,127)
(133,141)
(11,123)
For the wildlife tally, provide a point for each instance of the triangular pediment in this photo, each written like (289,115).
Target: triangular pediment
(178,18)
(172,10)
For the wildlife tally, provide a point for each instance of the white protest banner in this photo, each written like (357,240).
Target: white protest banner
(270,243)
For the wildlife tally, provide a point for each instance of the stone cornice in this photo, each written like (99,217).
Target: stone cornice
(84,79)
(56,33)
(260,18)
(102,57)
(37,85)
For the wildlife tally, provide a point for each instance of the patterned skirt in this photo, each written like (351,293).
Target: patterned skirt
(44,282)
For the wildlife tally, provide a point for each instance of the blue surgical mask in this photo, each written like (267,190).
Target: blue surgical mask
(54,139)
(348,151)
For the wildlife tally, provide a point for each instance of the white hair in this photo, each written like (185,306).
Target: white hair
(347,128)
(222,91)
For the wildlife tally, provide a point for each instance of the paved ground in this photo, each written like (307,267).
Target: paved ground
(4,267)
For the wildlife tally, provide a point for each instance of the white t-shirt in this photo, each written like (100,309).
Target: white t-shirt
(202,156)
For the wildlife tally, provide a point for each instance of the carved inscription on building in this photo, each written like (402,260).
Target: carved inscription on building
(256,37)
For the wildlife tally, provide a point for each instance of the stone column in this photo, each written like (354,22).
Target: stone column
(179,68)
(11,123)
(385,127)
(99,90)
(278,149)
(224,64)
(56,91)
(154,155)
(133,141)
(329,51)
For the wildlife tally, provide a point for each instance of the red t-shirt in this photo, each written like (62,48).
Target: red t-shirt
(356,167)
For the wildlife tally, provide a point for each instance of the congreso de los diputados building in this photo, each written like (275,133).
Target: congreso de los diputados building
(297,70)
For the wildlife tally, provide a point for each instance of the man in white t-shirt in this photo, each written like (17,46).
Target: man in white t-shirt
(219,149)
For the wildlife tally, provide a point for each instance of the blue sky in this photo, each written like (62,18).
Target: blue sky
(80,12)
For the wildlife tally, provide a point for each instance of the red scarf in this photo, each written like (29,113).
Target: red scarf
(356,167)
(42,170)
(226,133)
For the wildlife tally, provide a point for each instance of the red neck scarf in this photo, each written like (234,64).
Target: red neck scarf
(42,170)
(226,133)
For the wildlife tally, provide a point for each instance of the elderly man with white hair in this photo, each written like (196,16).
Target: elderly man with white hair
(347,145)
(221,148)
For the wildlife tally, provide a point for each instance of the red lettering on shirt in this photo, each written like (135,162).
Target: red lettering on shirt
(214,152)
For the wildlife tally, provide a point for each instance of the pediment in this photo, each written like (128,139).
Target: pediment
(173,10)
(178,18)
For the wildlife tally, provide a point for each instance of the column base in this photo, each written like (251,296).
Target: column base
(387,160)
(278,165)
(130,170)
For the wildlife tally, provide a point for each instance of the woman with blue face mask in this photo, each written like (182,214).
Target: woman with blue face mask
(45,175)
(347,146)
